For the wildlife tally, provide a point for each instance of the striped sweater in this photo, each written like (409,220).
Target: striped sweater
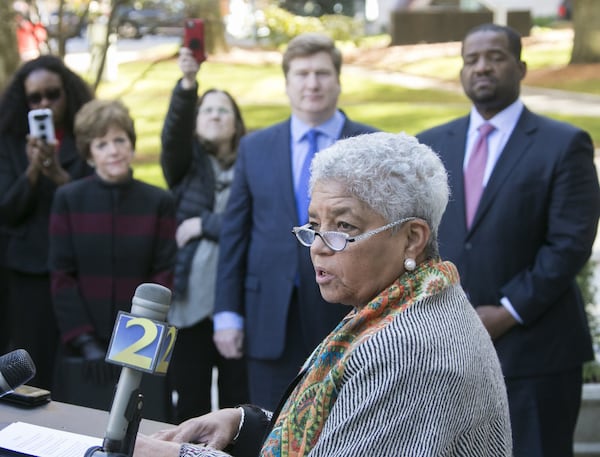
(428,384)
(106,239)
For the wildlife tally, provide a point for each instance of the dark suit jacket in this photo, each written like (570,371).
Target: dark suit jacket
(259,257)
(532,233)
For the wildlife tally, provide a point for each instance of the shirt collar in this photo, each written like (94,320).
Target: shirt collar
(331,128)
(504,121)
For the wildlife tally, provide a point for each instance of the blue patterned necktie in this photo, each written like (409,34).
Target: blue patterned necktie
(302,197)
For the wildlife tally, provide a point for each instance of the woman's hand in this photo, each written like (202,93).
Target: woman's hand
(39,153)
(187,230)
(189,68)
(146,446)
(43,158)
(216,429)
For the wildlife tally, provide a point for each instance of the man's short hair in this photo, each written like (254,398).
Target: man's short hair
(309,44)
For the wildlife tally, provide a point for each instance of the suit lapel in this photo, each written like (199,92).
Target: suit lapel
(517,145)
(455,142)
(282,167)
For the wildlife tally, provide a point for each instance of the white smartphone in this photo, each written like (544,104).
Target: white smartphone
(41,124)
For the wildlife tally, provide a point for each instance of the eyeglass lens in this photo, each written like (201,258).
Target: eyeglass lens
(51,95)
(306,236)
(335,240)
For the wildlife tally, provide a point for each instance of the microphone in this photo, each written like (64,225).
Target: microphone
(16,368)
(150,303)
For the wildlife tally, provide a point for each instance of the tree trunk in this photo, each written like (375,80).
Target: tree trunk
(100,34)
(214,29)
(586,24)
(62,39)
(9,53)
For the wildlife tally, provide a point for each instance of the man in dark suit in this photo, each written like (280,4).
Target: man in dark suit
(532,231)
(268,302)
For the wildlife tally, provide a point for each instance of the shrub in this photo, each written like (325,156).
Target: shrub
(591,370)
(280,26)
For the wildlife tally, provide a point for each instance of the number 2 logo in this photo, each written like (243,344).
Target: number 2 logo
(163,364)
(131,354)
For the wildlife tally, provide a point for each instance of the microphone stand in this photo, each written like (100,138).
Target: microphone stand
(122,448)
(149,304)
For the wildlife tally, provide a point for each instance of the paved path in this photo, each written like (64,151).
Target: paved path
(538,99)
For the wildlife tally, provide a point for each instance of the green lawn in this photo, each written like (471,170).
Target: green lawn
(145,88)
(447,68)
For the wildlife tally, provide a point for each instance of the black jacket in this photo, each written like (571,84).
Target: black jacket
(25,210)
(190,176)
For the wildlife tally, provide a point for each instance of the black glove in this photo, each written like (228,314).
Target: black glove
(95,369)
(91,349)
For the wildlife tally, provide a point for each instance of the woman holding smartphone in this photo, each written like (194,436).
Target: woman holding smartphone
(31,169)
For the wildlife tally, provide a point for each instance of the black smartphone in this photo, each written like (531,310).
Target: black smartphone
(41,124)
(26,395)
(193,38)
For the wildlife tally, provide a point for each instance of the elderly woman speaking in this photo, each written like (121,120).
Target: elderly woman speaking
(410,371)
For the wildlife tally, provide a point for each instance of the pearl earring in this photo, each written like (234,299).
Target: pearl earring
(409,264)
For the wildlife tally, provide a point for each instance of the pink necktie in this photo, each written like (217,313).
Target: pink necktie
(475,171)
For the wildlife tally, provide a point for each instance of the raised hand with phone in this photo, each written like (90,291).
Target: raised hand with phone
(193,38)
(191,54)
(189,68)
(42,146)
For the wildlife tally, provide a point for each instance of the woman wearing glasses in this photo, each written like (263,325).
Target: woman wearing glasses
(31,170)
(410,371)
(199,147)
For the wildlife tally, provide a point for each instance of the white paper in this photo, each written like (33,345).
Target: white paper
(45,442)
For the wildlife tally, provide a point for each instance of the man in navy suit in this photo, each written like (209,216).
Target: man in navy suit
(530,235)
(268,303)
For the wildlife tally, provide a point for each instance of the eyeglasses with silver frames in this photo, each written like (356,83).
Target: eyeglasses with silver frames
(337,241)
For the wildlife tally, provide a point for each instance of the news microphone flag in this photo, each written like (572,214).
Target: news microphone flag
(141,342)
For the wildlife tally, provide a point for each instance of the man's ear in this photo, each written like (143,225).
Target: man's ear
(523,66)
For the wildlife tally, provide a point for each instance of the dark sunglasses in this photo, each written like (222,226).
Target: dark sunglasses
(51,95)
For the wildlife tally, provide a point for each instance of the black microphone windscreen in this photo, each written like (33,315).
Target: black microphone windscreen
(17,368)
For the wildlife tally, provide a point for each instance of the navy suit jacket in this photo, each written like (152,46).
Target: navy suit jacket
(532,233)
(259,257)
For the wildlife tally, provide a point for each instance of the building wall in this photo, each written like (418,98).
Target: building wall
(538,8)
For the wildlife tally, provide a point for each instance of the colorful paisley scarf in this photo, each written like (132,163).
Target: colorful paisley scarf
(299,425)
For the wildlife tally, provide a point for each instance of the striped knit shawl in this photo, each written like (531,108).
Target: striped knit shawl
(305,412)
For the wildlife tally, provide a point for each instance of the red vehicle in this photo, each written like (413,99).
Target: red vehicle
(565,10)
(31,36)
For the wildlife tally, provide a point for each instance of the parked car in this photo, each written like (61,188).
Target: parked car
(72,24)
(132,22)
(318,8)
